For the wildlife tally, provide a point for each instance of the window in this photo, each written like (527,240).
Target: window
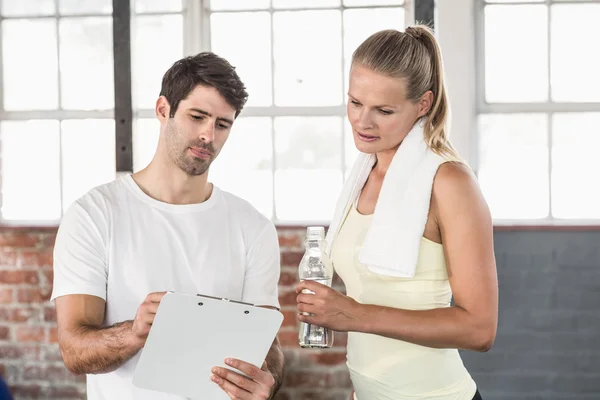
(289,150)
(539,109)
(291,147)
(155,24)
(57,128)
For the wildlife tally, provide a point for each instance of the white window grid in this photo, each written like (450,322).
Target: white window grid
(549,107)
(199,13)
(59,113)
(196,37)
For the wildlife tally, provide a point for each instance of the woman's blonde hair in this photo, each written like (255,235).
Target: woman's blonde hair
(414,56)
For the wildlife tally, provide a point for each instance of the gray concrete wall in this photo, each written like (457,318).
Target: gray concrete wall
(548,341)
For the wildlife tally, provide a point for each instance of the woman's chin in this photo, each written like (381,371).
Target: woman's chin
(368,148)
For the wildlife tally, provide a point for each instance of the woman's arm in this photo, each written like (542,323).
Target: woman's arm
(466,229)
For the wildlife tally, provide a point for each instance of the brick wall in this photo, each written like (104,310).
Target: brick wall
(546,348)
(29,357)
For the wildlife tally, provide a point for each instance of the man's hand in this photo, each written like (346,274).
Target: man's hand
(258,386)
(145,316)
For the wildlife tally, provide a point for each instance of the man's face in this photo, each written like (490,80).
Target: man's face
(196,134)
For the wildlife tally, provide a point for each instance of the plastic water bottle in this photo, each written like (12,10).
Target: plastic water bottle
(315,266)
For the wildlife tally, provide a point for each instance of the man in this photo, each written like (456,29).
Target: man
(121,246)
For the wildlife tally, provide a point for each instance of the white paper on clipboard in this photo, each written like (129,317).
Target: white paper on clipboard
(191,334)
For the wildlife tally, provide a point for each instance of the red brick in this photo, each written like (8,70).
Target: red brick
(322,394)
(6,296)
(35,258)
(49,314)
(290,240)
(33,295)
(48,276)
(32,372)
(18,314)
(27,333)
(26,391)
(48,240)
(289,318)
(291,258)
(4,333)
(19,276)
(288,278)
(287,298)
(64,392)
(8,257)
(19,239)
(19,352)
(340,379)
(49,373)
(51,353)
(329,357)
(307,379)
(289,338)
(53,335)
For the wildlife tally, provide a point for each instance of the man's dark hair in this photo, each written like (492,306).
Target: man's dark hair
(205,69)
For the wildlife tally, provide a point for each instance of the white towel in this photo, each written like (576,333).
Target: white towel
(391,246)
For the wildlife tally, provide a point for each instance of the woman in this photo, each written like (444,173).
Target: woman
(403,332)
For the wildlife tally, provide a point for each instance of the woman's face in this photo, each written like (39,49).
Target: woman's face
(379,112)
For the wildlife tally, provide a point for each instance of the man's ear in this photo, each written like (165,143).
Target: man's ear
(163,109)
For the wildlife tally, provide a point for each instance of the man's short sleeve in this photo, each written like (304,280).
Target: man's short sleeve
(80,265)
(263,269)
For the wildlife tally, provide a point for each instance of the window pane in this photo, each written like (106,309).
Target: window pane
(250,53)
(350,150)
(24,44)
(305,3)
(575,63)
(30,170)
(515,1)
(22,8)
(513,159)
(354,3)
(308,178)
(142,6)
(71,7)
(516,64)
(86,63)
(359,24)
(307,47)
(575,144)
(145,139)
(244,166)
(88,156)
(239,5)
(164,32)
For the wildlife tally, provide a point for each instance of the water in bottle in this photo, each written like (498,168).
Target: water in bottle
(316,266)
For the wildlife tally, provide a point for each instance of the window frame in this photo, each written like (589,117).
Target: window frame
(549,108)
(58,114)
(274,111)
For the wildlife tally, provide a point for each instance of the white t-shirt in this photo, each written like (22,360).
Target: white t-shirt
(119,244)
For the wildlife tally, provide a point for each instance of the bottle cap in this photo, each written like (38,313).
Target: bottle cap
(315,233)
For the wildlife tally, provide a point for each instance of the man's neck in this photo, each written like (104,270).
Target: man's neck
(171,185)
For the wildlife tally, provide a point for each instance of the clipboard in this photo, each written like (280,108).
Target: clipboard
(191,334)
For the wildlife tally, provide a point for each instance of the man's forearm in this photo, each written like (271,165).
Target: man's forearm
(275,364)
(91,350)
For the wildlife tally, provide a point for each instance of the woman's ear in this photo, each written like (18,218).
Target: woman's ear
(425,103)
